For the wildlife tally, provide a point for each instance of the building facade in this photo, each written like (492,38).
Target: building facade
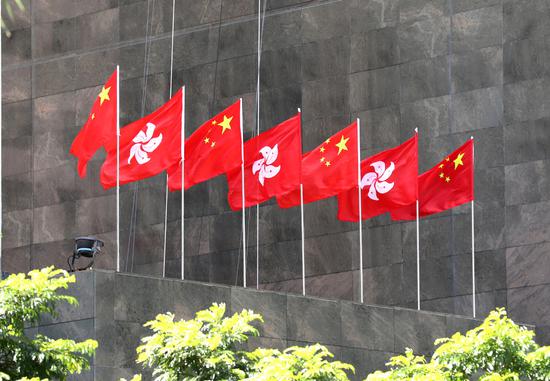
(452,68)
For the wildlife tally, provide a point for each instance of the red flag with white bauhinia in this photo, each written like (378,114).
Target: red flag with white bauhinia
(388,182)
(447,185)
(327,170)
(214,148)
(272,165)
(100,126)
(148,146)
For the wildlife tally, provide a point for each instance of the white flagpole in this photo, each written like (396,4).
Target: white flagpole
(361,292)
(1,210)
(242,192)
(302,227)
(417,246)
(473,244)
(166,189)
(183,183)
(258,133)
(117,168)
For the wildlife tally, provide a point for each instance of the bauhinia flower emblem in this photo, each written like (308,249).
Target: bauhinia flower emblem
(144,144)
(377,180)
(263,166)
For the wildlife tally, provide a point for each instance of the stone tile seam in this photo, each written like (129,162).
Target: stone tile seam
(165,36)
(63,322)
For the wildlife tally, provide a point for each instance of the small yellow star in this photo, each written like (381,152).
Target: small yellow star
(213,144)
(322,149)
(93,115)
(206,140)
(327,163)
(441,165)
(226,124)
(442,175)
(214,122)
(327,141)
(104,95)
(447,179)
(342,144)
(322,159)
(447,159)
(458,160)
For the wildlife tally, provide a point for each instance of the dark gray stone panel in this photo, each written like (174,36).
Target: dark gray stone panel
(48,10)
(54,77)
(16,260)
(313,320)
(281,30)
(380,127)
(53,222)
(16,228)
(527,182)
(477,109)
(417,330)
(337,286)
(527,265)
(280,261)
(525,59)
(16,155)
(369,15)
(17,192)
(529,305)
(374,49)
(97,29)
(16,119)
(525,100)
(376,288)
(16,84)
(236,76)
(54,113)
(51,149)
(430,116)
(53,253)
(374,88)
(17,48)
(467,5)
(477,29)
(525,19)
(527,141)
(324,58)
(325,21)
(478,69)
(424,79)
(330,253)
(238,39)
(367,327)
(94,68)
(53,38)
(325,97)
(527,224)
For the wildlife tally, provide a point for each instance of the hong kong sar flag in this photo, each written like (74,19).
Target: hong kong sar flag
(148,146)
(272,165)
(388,181)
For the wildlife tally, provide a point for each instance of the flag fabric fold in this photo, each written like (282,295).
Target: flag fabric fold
(148,146)
(271,165)
(327,170)
(388,181)
(213,149)
(447,185)
(100,126)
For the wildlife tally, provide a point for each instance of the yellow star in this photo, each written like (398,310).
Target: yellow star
(93,116)
(104,95)
(342,144)
(327,163)
(213,144)
(206,140)
(442,175)
(226,124)
(447,179)
(447,159)
(327,141)
(322,159)
(458,160)
(441,165)
(322,149)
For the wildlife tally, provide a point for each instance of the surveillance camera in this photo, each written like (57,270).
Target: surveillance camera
(84,247)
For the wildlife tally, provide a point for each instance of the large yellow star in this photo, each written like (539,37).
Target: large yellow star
(342,144)
(226,124)
(458,160)
(322,149)
(104,95)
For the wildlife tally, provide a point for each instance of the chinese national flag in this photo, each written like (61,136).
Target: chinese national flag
(100,126)
(271,165)
(447,185)
(214,148)
(148,146)
(328,170)
(388,182)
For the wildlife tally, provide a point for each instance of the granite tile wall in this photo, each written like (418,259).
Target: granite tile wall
(114,307)
(452,68)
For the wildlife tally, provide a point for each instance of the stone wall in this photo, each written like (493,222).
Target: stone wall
(453,68)
(113,308)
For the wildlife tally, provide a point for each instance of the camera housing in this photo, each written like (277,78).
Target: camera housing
(87,247)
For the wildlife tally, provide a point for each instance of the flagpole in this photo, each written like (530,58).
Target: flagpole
(1,206)
(242,192)
(117,168)
(417,245)
(183,183)
(258,133)
(361,292)
(302,226)
(166,190)
(473,242)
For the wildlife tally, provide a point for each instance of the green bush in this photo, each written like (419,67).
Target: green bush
(23,299)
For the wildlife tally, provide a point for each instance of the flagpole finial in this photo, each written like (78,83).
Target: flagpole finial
(299,109)
(416,130)
(472,137)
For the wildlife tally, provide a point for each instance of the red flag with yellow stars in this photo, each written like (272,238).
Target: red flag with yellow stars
(388,182)
(271,165)
(100,126)
(327,170)
(214,148)
(447,185)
